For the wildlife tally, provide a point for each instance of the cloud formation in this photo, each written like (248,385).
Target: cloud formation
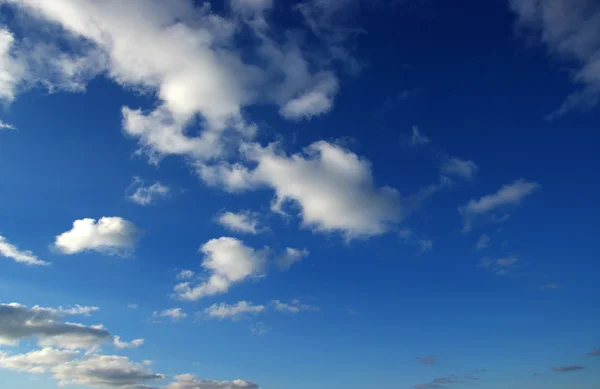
(484,209)
(36,362)
(290,257)
(174,314)
(294,307)
(456,167)
(118,343)
(244,222)
(417,139)
(11,251)
(4,125)
(235,311)
(188,381)
(566,369)
(228,261)
(109,235)
(147,194)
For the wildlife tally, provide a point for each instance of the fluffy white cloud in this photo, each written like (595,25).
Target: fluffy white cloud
(483,242)
(11,251)
(36,362)
(118,343)
(570,29)
(188,381)
(483,209)
(111,235)
(290,257)
(185,274)
(174,314)
(316,101)
(459,168)
(147,194)
(417,138)
(235,311)
(105,371)
(245,222)
(295,306)
(229,261)
(18,322)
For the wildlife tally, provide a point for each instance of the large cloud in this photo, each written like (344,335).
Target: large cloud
(229,261)
(112,235)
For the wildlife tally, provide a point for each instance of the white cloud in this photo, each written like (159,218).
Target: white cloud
(17,322)
(571,30)
(232,178)
(118,343)
(460,168)
(78,310)
(105,371)
(259,328)
(111,235)
(417,138)
(185,274)
(36,362)
(147,194)
(228,261)
(483,242)
(290,257)
(507,196)
(295,306)
(11,251)
(188,381)
(244,222)
(11,70)
(6,126)
(235,311)
(174,314)
(316,101)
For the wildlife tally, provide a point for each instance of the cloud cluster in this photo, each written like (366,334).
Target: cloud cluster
(110,235)
(11,251)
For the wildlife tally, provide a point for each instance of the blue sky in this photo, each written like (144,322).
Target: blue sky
(317,194)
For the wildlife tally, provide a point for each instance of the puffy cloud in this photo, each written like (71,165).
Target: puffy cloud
(295,307)
(507,196)
(11,251)
(235,311)
(19,322)
(316,101)
(188,381)
(174,314)
(459,168)
(105,371)
(111,235)
(566,369)
(290,257)
(432,360)
(244,222)
(501,266)
(417,138)
(36,362)
(483,242)
(185,274)
(229,261)
(118,343)
(6,126)
(147,194)
(571,30)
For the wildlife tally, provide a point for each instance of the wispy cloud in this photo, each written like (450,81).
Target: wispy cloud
(146,194)
(567,369)
(417,138)
(6,126)
(501,266)
(483,242)
(11,251)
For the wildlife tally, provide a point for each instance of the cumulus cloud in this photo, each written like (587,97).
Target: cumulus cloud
(294,307)
(188,381)
(570,29)
(235,311)
(566,369)
(11,251)
(110,235)
(290,257)
(456,167)
(144,194)
(18,322)
(417,139)
(483,242)
(245,222)
(174,314)
(501,266)
(118,343)
(228,261)
(36,362)
(4,125)
(483,209)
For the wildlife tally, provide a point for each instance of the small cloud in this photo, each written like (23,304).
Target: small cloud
(295,306)
(146,194)
(133,306)
(259,329)
(432,360)
(594,353)
(567,369)
(549,287)
(417,139)
(456,167)
(245,222)
(26,257)
(185,274)
(290,257)
(174,314)
(6,126)
(483,242)
(501,266)
(122,345)
(236,311)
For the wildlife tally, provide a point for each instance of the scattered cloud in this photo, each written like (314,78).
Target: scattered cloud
(11,251)
(417,139)
(4,125)
(432,360)
(118,343)
(594,353)
(245,222)
(18,322)
(228,261)
(483,242)
(566,369)
(188,381)
(456,167)
(290,257)
(185,275)
(294,307)
(570,29)
(143,194)
(235,311)
(36,362)
(483,209)
(549,287)
(174,314)
(109,235)
(501,266)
